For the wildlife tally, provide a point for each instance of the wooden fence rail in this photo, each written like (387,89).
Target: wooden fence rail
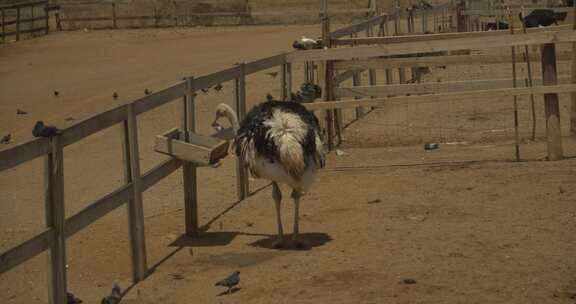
(16,15)
(59,228)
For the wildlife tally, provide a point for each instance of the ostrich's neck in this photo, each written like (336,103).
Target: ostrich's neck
(232,118)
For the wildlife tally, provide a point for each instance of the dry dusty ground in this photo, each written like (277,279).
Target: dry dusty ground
(465,222)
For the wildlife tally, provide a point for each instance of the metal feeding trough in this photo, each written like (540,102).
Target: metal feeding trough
(200,149)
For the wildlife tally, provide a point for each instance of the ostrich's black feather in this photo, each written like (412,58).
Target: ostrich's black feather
(252,128)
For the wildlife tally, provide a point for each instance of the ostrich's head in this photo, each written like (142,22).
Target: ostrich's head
(224,111)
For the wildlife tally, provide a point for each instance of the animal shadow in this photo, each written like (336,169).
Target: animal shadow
(205,239)
(308,241)
(233,290)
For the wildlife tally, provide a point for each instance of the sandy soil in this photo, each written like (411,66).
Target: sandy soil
(465,222)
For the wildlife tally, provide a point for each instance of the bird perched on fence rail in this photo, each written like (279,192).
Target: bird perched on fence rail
(281,142)
(42,130)
(231,281)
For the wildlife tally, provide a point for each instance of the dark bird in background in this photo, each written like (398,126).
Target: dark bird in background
(56,93)
(205,90)
(115,95)
(114,297)
(71,299)
(218,87)
(272,74)
(269,96)
(308,93)
(42,130)
(542,17)
(21,112)
(307,44)
(231,281)
(6,138)
(147,92)
(492,26)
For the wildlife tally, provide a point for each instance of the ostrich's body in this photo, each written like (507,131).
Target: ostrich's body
(281,142)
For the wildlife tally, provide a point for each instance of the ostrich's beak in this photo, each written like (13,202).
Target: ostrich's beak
(216,125)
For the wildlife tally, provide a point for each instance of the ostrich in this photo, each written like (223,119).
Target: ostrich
(281,142)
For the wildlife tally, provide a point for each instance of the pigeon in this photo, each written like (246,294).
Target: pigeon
(269,97)
(147,92)
(272,74)
(218,87)
(114,297)
(41,130)
(56,93)
(115,95)
(71,299)
(205,90)
(6,138)
(21,112)
(230,281)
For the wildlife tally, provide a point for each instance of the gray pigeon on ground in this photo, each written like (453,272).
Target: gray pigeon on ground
(6,138)
(71,299)
(230,281)
(114,297)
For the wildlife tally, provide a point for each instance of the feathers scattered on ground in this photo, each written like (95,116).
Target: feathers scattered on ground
(71,299)
(114,297)
(21,112)
(42,130)
(231,281)
(6,138)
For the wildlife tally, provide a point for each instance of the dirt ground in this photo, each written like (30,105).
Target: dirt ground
(464,222)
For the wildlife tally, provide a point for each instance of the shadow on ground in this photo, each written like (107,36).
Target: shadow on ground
(308,240)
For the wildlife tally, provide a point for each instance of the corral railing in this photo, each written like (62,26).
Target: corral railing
(59,228)
(30,18)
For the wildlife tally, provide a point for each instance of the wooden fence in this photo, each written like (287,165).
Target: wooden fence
(59,228)
(24,18)
(142,14)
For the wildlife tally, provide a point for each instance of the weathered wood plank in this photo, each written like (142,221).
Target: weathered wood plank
(264,64)
(55,219)
(356,27)
(503,12)
(384,63)
(159,98)
(432,46)
(434,37)
(189,172)
(551,104)
(135,207)
(243,186)
(430,98)
(209,80)
(431,87)
(27,250)
(22,5)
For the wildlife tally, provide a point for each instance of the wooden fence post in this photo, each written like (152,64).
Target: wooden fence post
(3,12)
(286,81)
(328,80)
(155,16)
(55,219)
(31,23)
(243,186)
(573,78)
(135,207)
(114,25)
(47,19)
(189,169)
(17,23)
(551,106)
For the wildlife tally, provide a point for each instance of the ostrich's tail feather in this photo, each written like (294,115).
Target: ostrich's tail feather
(288,131)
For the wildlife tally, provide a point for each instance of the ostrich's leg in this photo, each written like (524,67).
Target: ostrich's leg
(296,195)
(277,195)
